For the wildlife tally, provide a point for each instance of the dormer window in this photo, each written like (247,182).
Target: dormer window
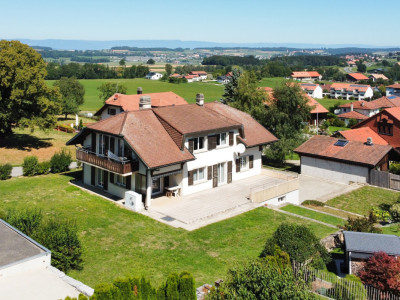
(112,111)
(196,144)
(221,139)
(384,127)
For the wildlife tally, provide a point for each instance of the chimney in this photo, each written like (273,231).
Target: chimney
(139,91)
(200,99)
(351,106)
(115,96)
(145,102)
(369,141)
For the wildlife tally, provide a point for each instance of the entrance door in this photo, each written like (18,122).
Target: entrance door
(156,186)
(221,173)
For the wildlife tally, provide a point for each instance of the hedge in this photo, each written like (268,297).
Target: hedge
(5,171)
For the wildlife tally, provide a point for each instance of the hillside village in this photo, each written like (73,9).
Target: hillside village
(155,193)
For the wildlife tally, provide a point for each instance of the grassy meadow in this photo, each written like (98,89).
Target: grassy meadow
(117,241)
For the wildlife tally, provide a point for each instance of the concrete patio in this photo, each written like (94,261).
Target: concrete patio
(194,211)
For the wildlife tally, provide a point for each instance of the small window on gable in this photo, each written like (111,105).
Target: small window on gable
(112,111)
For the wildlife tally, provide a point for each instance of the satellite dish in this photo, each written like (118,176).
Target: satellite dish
(240,148)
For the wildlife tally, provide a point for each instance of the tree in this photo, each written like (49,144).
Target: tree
(382,272)
(285,117)
(72,95)
(362,68)
(151,61)
(122,62)
(25,98)
(108,89)
(168,69)
(299,242)
(231,88)
(262,279)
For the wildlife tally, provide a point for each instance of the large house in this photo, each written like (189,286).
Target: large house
(365,108)
(342,160)
(118,103)
(154,76)
(313,90)
(393,89)
(347,90)
(306,75)
(356,77)
(201,74)
(192,147)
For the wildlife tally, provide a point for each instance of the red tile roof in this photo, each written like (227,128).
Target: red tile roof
(131,102)
(386,101)
(198,72)
(361,135)
(350,87)
(254,133)
(354,152)
(308,86)
(361,104)
(353,115)
(305,74)
(316,106)
(394,86)
(358,76)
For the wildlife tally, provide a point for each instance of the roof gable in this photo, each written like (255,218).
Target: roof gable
(361,135)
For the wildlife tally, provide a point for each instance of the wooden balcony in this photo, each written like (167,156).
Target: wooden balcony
(119,167)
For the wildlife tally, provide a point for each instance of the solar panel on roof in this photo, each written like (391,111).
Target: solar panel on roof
(358,85)
(341,143)
(391,97)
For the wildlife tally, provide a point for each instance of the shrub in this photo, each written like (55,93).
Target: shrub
(395,212)
(125,287)
(5,171)
(172,287)
(60,161)
(352,122)
(65,128)
(187,287)
(30,166)
(61,237)
(106,291)
(43,168)
(27,220)
(313,202)
(394,168)
(381,214)
(365,224)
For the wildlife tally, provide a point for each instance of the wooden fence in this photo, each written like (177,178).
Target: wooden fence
(331,286)
(384,179)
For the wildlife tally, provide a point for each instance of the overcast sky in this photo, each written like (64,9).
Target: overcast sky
(252,21)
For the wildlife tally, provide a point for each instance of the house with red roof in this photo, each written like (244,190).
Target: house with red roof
(386,102)
(393,89)
(348,90)
(365,108)
(342,160)
(202,74)
(361,135)
(179,149)
(306,75)
(376,77)
(313,90)
(119,103)
(356,77)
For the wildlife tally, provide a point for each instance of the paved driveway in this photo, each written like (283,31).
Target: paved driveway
(313,188)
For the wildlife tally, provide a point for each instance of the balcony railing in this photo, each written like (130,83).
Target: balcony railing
(116,166)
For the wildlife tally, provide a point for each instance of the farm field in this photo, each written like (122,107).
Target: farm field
(117,241)
(212,90)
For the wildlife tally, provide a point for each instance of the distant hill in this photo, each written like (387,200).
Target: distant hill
(172,44)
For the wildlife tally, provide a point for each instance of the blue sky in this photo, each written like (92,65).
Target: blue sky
(320,22)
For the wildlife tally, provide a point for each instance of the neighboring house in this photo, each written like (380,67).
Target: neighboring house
(154,76)
(318,112)
(118,103)
(361,135)
(347,116)
(393,89)
(376,77)
(360,246)
(326,90)
(365,108)
(310,75)
(356,77)
(342,160)
(223,79)
(191,78)
(386,102)
(25,270)
(202,74)
(194,147)
(176,75)
(313,90)
(347,90)
(386,124)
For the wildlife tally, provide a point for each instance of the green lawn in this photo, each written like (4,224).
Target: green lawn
(117,241)
(332,129)
(313,215)
(328,103)
(212,91)
(270,82)
(363,199)
(392,229)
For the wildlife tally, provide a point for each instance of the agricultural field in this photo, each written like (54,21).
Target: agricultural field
(117,241)
(212,90)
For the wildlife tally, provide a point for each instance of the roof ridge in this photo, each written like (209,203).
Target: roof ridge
(123,122)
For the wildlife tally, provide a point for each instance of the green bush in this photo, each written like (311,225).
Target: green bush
(82,297)
(365,224)
(187,287)
(172,292)
(43,168)
(106,291)
(125,287)
(30,166)
(394,168)
(395,212)
(25,220)
(146,291)
(60,161)
(5,171)
(313,202)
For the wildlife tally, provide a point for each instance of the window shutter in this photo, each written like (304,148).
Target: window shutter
(129,182)
(212,142)
(215,176)
(93,142)
(112,145)
(93,175)
(229,172)
(209,173)
(111,177)
(166,181)
(105,180)
(251,158)
(230,138)
(190,178)
(237,165)
(106,144)
(191,146)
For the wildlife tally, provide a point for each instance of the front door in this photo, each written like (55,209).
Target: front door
(221,173)
(156,186)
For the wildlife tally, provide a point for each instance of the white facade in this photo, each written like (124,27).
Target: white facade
(316,93)
(334,171)
(110,111)
(355,94)
(154,76)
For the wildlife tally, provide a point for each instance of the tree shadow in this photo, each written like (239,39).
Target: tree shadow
(25,142)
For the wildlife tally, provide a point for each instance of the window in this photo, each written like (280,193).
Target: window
(198,143)
(385,128)
(244,163)
(112,111)
(120,180)
(281,199)
(120,148)
(102,144)
(199,174)
(100,177)
(221,139)
(156,186)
